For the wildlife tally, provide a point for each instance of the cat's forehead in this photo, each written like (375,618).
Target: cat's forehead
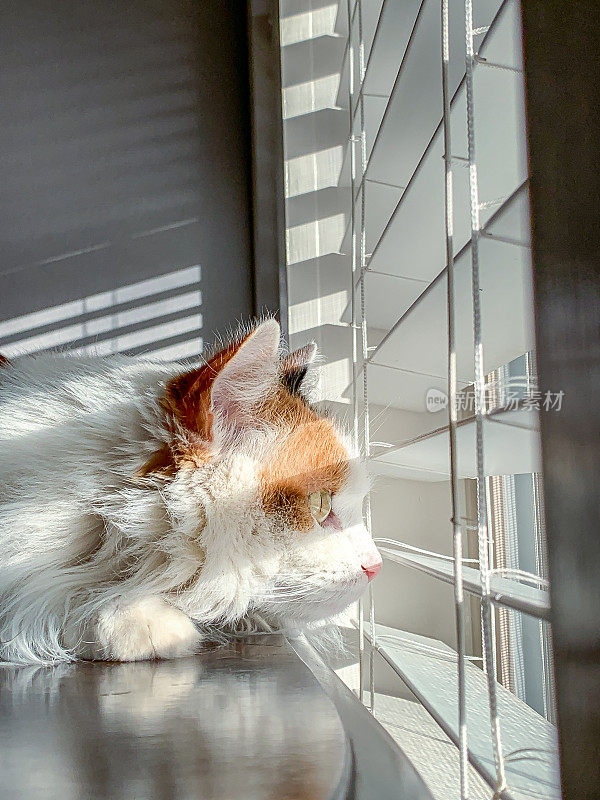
(308,453)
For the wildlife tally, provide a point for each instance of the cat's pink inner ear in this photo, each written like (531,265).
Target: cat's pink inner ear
(248,377)
(228,384)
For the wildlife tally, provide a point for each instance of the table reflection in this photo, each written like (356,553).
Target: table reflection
(243,721)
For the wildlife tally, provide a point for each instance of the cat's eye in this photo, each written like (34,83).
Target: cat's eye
(320,505)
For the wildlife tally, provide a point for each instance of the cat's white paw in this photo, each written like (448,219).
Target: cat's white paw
(147,629)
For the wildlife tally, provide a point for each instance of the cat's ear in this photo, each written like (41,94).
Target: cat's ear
(293,367)
(249,375)
(230,386)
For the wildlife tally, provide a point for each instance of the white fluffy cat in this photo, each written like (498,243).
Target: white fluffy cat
(142,500)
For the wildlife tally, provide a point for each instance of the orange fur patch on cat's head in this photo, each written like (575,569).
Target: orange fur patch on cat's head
(308,457)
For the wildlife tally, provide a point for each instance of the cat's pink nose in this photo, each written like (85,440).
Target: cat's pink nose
(372,569)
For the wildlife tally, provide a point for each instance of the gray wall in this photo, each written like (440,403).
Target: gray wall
(124,155)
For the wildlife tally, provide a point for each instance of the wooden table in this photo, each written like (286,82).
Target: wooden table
(239,722)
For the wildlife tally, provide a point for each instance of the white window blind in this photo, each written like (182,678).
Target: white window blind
(409,260)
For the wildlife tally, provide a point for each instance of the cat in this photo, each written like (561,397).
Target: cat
(142,501)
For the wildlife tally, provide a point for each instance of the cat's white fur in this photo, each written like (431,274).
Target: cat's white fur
(94,564)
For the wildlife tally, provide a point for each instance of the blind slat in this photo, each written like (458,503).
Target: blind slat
(505,592)
(428,667)
(512,446)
